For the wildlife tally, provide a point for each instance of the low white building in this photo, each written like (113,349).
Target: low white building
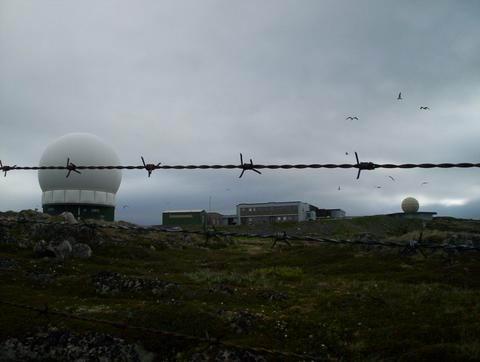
(273,212)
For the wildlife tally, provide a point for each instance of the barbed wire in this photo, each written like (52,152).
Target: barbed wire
(46,311)
(150,167)
(412,245)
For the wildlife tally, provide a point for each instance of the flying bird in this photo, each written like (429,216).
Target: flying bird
(352,118)
(423,183)
(423,107)
(392,178)
(399,96)
(378,187)
(338,188)
(346,153)
(124,206)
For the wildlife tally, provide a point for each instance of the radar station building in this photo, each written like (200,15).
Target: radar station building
(87,194)
(274,212)
(329,213)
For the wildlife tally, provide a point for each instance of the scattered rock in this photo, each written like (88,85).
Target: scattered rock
(68,217)
(62,249)
(41,278)
(81,250)
(216,354)
(63,345)
(273,296)
(42,250)
(8,264)
(242,321)
(113,283)
(59,250)
(222,288)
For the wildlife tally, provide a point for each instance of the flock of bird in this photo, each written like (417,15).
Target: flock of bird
(399,98)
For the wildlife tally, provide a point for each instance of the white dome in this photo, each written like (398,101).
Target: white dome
(410,205)
(91,186)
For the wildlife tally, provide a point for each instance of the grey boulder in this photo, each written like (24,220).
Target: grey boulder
(81,250)
(60,250)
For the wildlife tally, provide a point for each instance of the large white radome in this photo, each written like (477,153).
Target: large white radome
(91,186)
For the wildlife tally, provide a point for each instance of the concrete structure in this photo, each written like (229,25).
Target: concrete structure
(90,194)
(184,217)
(273,212)
(214,219)
(229,219)
(329,213)
(422,215)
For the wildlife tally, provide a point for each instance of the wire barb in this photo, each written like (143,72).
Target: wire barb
(363,166)
(150,166)
(5,169)
(71,167)
(247,166)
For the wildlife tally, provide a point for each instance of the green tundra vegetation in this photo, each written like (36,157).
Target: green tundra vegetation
(334,302)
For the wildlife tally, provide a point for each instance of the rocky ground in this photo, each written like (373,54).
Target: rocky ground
(327,301)
(63,345)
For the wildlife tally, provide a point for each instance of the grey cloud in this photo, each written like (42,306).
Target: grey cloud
(199,82)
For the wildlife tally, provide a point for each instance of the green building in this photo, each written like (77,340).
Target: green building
(184,217)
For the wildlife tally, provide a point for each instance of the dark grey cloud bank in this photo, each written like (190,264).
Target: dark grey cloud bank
(199,82)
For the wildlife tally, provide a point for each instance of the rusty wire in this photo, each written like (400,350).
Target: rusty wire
(150,167)
(46,311)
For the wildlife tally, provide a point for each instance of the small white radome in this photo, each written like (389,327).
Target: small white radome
(410,205)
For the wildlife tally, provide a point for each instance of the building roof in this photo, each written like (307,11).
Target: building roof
(412,213)
(180,211)
(272,202)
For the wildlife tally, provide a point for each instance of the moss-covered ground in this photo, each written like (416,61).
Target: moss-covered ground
(334,302)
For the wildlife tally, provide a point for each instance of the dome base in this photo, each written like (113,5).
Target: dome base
(81,212)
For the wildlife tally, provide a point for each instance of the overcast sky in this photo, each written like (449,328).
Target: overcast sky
(190,82)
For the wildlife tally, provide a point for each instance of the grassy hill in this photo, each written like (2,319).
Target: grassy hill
(333,302)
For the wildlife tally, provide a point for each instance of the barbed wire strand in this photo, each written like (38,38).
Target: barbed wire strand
(150,167)
(283,236)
